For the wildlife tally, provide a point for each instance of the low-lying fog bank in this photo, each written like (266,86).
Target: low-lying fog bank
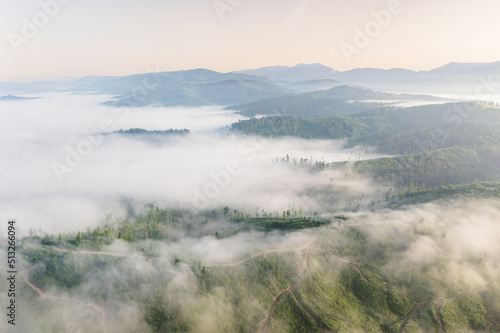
(59,174)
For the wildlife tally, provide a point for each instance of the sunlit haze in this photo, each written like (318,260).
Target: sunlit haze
(119,37)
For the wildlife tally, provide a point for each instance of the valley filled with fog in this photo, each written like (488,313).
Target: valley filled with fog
(234,166)
(343,209)
(57,160)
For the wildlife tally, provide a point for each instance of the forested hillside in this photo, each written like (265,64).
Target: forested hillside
(200,93)
(404,239)
(434,145)
(301,275)
(340,100)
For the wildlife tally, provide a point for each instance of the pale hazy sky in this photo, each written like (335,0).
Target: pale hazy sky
(119,37)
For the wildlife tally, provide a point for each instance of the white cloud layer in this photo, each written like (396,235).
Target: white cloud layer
(44,185)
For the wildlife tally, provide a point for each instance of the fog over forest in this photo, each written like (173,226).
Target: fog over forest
(238,205)
(249,166)
(168,171)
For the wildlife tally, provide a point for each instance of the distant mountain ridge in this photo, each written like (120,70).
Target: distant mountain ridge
(453,78)
(340,100)
(300,72)
(206,87)
(215,92)
(15,98)
(460,78)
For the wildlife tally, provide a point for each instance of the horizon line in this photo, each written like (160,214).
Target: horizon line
(70,78)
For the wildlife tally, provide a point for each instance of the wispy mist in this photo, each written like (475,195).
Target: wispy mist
(47,186)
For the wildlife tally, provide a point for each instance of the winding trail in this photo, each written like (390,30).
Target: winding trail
(437,311)
(417,306)
(420,304)
(376,285)
(362,276)
(44,295)
(318,322)
(264,324)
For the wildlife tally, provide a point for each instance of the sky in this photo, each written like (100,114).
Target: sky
(49,39)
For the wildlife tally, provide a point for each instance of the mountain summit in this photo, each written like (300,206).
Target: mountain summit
(300,72)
